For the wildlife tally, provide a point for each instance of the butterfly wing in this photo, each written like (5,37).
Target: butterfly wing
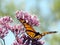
(51,32)
(39,36)
(45,33)
(27,26)
(29,30)
(32,33)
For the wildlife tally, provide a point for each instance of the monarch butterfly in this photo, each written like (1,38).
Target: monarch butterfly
(32,33)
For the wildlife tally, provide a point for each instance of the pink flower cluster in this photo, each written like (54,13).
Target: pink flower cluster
(3,32)
(31,19)
(19,40)
(4,23)
(18,30)
(5,20)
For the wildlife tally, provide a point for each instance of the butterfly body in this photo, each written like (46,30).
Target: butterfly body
(32,33)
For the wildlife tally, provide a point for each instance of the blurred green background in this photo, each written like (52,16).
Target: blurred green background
(47,11)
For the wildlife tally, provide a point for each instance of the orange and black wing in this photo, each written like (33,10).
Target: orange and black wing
(32,33)
(29,30)
(39,36)
(45,33)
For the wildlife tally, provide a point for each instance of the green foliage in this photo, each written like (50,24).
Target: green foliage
(55,40)
(56,6)
(56,9)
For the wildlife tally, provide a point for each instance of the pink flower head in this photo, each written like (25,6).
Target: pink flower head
(16,29)
(3,32)
(20,14)
(4,26)
(26,40)
(32,20)
(19,40)
(5,20)
(16,43)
